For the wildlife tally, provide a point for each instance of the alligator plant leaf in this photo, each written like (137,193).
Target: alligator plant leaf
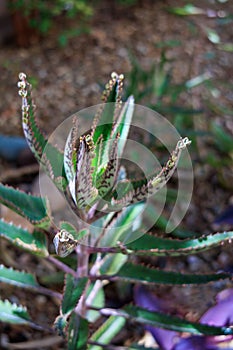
(166,321)
(107,331)
(34,209)
(74,289)
(138,190)
(143,274)
(17,278)
(152,245)
(34,243)
(47,154)
(78,333)
(12,313)
(111,98)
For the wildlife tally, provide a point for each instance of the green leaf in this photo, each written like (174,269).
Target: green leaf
(112,263)
(78,333)
(186,10)
(52,162)
(34,209)
(174,323)
(96,300)
(138,190)
(122,227)
(123,123)
(17,278)
(140,347)
(148,244)
(198,80)
(34,136)
(73,291)
(213,36)
(34,243)
(104,119)
(228,47)
(142,274)
(107,331)
(48,155)
(12,313)
(221,138)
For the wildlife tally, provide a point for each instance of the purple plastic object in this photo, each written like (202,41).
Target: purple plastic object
(219,315)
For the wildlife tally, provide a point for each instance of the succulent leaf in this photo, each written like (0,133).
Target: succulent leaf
(106,181)
(138,190)
(73,291)
(142,274)
(78,333)
(149,244)
(48,155)
(107,331)
(34,243)
(85,192)
(12,313)
(34,209)
(174,323)
(17,278)
(111,97)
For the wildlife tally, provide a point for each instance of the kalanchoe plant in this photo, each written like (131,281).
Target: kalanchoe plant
(88,173)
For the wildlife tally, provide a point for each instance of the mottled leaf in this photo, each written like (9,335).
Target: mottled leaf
(17,278)
(142,274)
(172,322)
(34,243)
(107,331)
(12,313)
(74,289)
(138,190)
(34,209)
(149,244)
(85,192)
(48,155)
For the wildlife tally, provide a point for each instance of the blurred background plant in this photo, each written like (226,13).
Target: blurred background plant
(32,18)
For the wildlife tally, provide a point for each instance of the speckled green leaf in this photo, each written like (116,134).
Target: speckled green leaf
(47,154)
(172,322)
(17,278)
(73,291)
(35,209)
(12,313)
(34,242)
(152,245)
(142,274)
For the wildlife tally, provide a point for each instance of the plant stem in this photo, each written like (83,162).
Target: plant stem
(82,270)
(62,266)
